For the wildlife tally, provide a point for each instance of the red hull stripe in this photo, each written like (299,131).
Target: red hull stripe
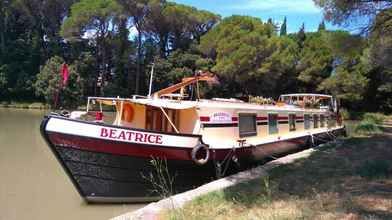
(258,118)
(118,148)
(148,151)
(131,149)
(261,118)
(204,118)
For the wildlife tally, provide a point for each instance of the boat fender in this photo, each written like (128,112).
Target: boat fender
(196,150)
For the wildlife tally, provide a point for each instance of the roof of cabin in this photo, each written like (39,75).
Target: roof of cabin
(306,94)
(203,103)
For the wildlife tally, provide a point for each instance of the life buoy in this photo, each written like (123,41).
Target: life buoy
(128,113)
(197,150)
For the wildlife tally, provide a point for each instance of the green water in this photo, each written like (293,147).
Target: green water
(32,183)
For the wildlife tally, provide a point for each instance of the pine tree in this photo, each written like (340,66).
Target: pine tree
(269,21)
(301,35)
(283,28)
(321,26)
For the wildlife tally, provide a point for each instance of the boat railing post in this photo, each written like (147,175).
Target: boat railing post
(120,114)
(168,118)
(88,105)
(151,77)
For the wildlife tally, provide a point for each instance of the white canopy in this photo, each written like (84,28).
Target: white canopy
(164,103)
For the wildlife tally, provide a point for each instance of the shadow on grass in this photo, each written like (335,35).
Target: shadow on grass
(331,170)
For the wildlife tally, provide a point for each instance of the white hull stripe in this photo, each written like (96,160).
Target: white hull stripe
(101,131)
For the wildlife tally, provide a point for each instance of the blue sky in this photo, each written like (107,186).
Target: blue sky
(296,11)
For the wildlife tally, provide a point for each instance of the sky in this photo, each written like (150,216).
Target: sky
(296,11)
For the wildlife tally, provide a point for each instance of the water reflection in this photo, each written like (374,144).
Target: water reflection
(32,183)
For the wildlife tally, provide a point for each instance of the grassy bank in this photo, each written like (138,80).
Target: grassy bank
(24,105)
(350,180)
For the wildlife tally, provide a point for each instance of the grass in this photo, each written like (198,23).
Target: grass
(24,105)
(351,180)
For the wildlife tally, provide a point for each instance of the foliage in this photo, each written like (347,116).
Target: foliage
(48,84)
(160,179)
(346,84)
(118,40)
(247,51)
(377,118)
(3,79)
(367,127)
(346,11)
(321,26)
(91,17)
(283,27)
(316,60)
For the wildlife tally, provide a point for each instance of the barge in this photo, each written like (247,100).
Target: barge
(193,141)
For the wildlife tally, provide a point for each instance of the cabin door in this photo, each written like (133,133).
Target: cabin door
(157,121)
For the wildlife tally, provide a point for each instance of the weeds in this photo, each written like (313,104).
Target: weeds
(160,178)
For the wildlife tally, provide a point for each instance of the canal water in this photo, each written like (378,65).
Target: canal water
(32,183)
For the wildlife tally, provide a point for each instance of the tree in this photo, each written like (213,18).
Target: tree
(347,11)
(93,18)
(321,26)
(176,26)
(187,24)
(347,83)
(4,19)
(44,19)
(3,80)
(301,35)
(316,61)
(122,82)
(48,84)
(137,10)
(248,52)
(283,27)
(380,54)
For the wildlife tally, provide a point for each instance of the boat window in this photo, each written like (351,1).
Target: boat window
(307,121)
(273,123)
(315,121)
(292,122)
(247,125)
(322,121)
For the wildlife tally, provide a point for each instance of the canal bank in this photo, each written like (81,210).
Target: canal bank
(33,184)
(176,202)
(348,179)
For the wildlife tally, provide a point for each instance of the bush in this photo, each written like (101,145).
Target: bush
(375,169)
(48,84)
(378,118)
(367,127)
(345,114)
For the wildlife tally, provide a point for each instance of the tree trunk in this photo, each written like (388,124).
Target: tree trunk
(139,55)
(3,30)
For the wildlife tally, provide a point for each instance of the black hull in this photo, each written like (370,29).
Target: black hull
(103,177)
(109,177)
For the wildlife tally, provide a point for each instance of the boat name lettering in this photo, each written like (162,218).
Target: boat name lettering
(131,136)
(221,117)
